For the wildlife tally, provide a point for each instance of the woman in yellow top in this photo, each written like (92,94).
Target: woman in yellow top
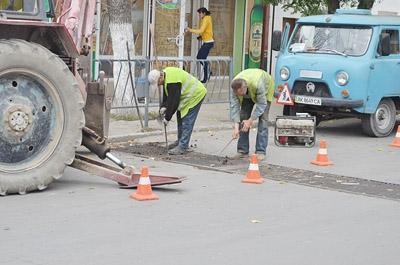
(206,35)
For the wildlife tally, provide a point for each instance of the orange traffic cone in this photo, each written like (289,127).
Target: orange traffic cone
(322,156)
(253,174)
(396,140)
(144,191)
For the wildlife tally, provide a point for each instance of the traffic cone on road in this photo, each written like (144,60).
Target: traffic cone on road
(322,156)
(144,191)
(396,140)
(253,174)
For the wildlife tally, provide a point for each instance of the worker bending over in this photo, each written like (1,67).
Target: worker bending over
(183,94)
(253,91)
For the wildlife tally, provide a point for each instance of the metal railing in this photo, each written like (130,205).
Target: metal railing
(127,98)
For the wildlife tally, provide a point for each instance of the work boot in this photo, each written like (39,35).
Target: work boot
(240,155)
(177,151)
(173,145)
(260,157)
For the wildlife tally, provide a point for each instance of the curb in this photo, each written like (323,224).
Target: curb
(130,137)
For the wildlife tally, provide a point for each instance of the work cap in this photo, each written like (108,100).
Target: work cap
(153,77)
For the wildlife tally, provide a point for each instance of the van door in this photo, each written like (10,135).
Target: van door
(385,70)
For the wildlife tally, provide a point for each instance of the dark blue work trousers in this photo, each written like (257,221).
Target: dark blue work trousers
(262,130)
(186,124)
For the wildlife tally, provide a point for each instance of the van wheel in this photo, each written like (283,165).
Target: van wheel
(380,123)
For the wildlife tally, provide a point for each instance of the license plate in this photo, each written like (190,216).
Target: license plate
(308,100)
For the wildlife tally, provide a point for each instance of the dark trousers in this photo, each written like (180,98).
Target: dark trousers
(186,124)
(262,130)
(202,55)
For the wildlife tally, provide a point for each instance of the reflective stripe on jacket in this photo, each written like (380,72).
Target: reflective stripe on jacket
(192,90)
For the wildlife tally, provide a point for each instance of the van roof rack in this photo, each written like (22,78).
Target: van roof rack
(353,11)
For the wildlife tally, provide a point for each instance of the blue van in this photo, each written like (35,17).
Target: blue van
(341,65)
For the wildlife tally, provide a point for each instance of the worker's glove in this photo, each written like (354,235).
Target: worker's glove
(162,111)
(165,122)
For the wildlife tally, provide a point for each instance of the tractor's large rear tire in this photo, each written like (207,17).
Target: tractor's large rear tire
(41,117)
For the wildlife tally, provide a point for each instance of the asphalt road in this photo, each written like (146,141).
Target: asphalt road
(213,218)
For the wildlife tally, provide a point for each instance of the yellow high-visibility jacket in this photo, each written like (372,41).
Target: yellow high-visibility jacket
(192,90)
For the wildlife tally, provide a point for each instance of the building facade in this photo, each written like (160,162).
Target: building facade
(242,29)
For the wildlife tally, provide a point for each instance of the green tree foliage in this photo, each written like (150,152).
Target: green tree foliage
(314,7)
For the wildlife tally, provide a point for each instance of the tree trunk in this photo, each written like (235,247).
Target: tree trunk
(332,5)
(365,4)
(121,32)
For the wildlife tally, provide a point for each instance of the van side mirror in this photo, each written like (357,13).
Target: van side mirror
(276,40)
(384,44)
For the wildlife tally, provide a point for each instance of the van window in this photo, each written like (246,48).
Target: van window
(346,40)
(394,40)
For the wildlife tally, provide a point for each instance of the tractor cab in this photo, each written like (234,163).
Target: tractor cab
(26,9)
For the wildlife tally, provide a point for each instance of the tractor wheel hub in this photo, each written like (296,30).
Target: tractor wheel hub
(18,118)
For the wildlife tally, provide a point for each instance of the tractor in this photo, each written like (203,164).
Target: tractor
(49,102)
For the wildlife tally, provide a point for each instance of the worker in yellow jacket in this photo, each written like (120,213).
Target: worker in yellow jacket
(183,94)
(252,94)
(206,35)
